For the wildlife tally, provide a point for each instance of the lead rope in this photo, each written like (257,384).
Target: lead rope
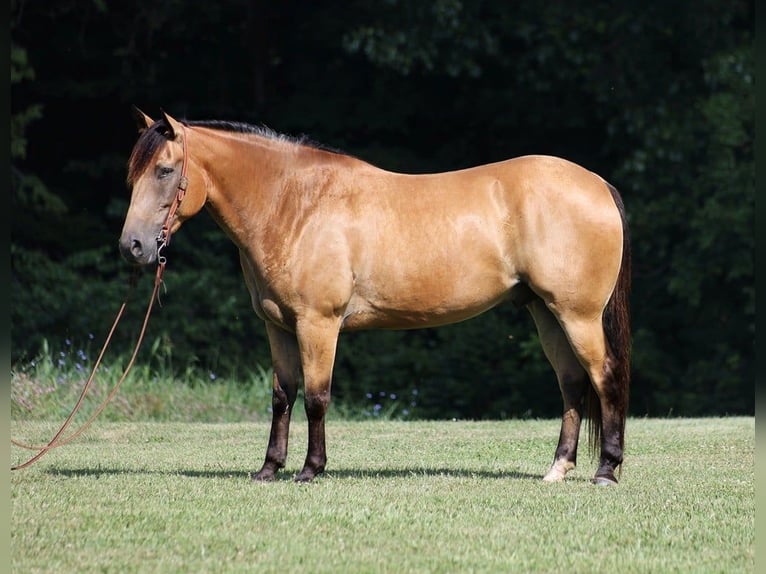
(163,239)
(57,441)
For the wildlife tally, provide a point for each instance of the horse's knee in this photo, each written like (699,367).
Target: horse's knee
(279,402)
(317,403)
(282,396)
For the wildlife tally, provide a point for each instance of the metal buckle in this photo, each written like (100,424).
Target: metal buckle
(161,244)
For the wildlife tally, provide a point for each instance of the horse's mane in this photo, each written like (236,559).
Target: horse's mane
(152,138)
(244,128)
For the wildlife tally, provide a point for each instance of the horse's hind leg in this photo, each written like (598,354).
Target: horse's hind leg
(286,363)
(573,382)
(588,340)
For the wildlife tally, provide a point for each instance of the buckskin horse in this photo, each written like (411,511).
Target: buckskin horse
(330,243)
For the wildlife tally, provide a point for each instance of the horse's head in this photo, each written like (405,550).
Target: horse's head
(154,173)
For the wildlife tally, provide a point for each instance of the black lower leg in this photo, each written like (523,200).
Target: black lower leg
(282,402)
(573,392)
(611,449)
(316,456)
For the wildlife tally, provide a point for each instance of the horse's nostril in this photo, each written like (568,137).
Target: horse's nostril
(136,249)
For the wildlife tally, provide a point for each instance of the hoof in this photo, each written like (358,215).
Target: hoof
(262,475)
(558,471)
(553,477)
(304,477)
(604,481)
(307,474)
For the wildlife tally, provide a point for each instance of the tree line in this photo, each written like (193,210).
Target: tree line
(657,96)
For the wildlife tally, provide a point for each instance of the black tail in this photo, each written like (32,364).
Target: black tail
(616,321)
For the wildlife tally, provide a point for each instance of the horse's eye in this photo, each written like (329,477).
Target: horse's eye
(163,172)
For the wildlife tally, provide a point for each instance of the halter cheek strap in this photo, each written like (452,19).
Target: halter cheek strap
(163,239)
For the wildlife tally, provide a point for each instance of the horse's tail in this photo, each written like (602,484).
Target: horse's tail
(616,322)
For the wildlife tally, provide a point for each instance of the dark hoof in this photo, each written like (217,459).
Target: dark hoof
(307,475)
(604,481)
(262,476)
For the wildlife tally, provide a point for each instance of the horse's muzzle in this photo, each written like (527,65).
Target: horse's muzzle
(136,252)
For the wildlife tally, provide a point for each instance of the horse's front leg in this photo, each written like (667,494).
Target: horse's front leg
(317,340)
(286,364)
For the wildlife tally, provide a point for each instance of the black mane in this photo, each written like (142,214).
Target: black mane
(152,138)
(243,128)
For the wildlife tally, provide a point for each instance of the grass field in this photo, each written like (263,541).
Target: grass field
(397,497)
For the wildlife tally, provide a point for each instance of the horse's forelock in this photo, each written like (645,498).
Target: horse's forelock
(150,140)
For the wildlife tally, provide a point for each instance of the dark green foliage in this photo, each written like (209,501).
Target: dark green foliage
(658,97)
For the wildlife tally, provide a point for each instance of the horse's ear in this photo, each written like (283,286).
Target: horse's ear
(174,126)
(142,119)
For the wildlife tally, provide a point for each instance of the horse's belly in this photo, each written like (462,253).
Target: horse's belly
(414,308)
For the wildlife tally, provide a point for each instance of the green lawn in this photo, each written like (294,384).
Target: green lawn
(397,497)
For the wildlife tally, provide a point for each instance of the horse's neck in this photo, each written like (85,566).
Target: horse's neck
(251,186)
(240,179)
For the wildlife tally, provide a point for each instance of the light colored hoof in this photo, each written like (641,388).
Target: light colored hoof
(554,476)
(558,472)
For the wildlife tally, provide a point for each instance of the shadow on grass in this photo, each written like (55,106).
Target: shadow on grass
(334,474)
(344,473)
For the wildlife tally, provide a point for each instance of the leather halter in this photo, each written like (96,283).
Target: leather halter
(163,239)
